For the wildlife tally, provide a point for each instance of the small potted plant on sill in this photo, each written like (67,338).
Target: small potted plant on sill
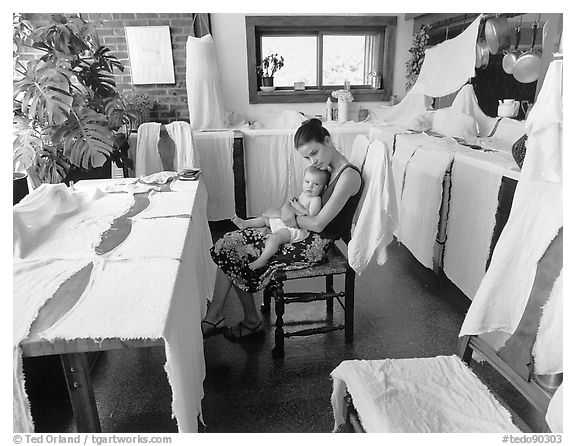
(69,120)
(268,66)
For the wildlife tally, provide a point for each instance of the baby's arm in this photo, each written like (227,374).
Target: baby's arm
(298,207)
(314,206)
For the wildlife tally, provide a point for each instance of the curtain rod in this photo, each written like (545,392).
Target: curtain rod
(463,19)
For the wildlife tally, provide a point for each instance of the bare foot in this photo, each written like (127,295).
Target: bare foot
(241,224)
(256,264)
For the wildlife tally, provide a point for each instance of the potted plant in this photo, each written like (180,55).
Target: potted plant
(139,104)
(266,69)
(418,49)
(69,119)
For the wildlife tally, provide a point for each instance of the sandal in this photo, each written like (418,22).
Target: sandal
(242,332)
(213,329)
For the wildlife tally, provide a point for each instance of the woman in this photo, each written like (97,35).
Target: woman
(236,249)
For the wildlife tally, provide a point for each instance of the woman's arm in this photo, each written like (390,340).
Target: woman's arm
(348,185)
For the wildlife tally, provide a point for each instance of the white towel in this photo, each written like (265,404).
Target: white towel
(419,211)
(417,395)
(214,154)
(535,219)
(203,84)
(378,215)
(147,157)
(466,102)
(442,72)
(554,414)
(547,350)
(471,219)
(181,134)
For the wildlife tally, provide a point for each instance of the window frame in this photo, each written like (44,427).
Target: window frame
(257,26)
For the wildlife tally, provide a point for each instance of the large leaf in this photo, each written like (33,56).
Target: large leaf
(85,138)
(44,93)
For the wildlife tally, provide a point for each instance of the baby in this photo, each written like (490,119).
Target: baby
(308,203)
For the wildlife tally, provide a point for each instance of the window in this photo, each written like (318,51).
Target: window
(323,52)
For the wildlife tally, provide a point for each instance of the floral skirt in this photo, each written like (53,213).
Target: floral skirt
(236,249)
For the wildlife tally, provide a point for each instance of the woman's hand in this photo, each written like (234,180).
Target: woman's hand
(288,216)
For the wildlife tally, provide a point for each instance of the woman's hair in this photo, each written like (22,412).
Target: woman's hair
(310,130)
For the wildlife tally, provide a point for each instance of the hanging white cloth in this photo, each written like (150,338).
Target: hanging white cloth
(203,84)
(378,215)
(181,134)
(554,414)
(214,155)
(402,114)
(535,216)
(147,157)
(442,71)
(466,102)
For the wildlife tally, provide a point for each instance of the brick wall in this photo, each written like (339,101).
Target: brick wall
(170,100)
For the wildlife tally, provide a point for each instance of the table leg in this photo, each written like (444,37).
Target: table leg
(77,373)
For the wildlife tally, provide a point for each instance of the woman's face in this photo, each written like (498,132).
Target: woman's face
(317,154)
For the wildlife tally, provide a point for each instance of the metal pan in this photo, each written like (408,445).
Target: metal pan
(511,57)
(527,67)
(497,34)
(482,51)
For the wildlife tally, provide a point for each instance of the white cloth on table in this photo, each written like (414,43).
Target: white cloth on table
(214,155)
(471,220)
(535,216)
(378,214)
(164,289)
(439,394)
(547,350)
(419,210)
(403,113)
(509,131)
(554,414)
(442,72)
(181,134)
(466,102)
(203,84)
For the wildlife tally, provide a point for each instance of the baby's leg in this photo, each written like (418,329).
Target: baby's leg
(272,244)
(258,222)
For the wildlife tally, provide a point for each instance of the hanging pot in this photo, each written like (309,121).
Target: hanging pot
(482,51)
(497,34)
(527,67)
(511,57)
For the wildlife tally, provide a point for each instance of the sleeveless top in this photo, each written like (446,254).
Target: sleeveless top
(341,224)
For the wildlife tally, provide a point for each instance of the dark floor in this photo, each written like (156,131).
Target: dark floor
(402,310)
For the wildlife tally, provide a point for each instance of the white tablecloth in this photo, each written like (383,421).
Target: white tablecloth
(153,285)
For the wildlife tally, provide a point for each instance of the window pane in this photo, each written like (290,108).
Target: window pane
(300,56)
(343,60)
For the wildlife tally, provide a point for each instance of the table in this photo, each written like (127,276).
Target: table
(166,275)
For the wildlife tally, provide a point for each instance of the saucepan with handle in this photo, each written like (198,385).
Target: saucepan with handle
(497,34)
(511,57)
(527,67)
(482,51)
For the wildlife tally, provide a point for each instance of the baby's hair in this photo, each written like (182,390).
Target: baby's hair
(310,130)
(324,175)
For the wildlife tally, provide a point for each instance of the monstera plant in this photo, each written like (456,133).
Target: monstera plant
(68,115)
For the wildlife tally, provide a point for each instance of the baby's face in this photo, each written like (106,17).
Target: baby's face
(312,185)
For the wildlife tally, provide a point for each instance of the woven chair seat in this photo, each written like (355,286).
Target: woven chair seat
(336,263)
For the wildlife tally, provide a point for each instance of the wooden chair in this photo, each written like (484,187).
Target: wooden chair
(336,264)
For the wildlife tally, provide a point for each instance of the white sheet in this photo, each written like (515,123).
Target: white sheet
(181,134)
(442,73)
(402,114)
(163,295)
(378,215)
(214,153)
(147,157)
(502,296)
(419,211)
(554,414)
(466,102)
(416,395)
(203,84)
(471,220)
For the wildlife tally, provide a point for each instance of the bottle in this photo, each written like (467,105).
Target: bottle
(328,109)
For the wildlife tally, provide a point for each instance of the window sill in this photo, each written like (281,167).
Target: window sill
(291,96)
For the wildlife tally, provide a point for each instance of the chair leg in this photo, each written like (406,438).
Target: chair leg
(278,294)
(330,289)
(266,297)
(349,305)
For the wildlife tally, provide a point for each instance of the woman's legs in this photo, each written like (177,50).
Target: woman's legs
(273,243)
(219,298)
